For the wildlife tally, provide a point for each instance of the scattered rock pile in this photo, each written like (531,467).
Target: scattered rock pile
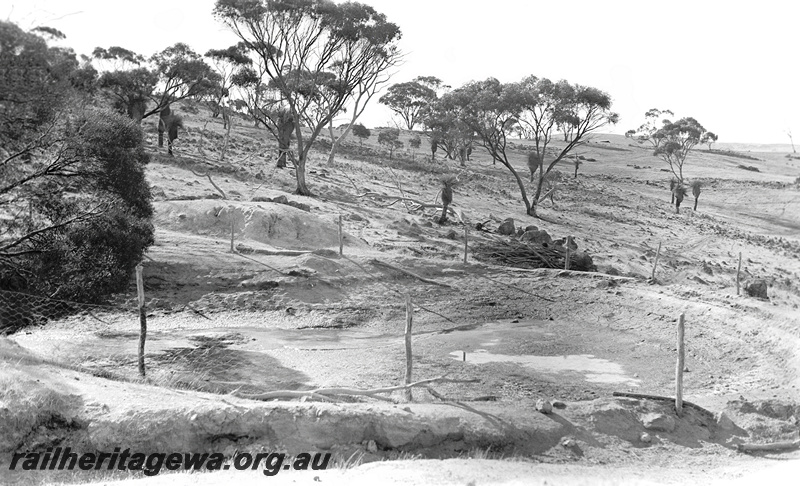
(283,200)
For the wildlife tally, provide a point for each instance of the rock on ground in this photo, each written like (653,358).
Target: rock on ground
(658,422)
(757,289)
(507,228)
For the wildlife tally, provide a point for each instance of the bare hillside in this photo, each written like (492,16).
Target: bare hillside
(284,312)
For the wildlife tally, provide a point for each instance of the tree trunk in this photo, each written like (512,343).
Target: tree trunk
(227,139)
(447,198)
(136,110)
(529,209)
(335,144)
(162,126)
(539,184)
(300,175)
(443,217)
(695,204)
(284,141)
(282,151)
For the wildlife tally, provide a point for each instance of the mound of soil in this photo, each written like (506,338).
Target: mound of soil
(275,224)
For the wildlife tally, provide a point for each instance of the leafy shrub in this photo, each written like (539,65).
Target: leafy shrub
(86,227)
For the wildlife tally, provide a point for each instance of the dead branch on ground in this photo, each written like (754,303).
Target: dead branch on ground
(410,274)
(326,393)
(774,447)
(400,188)
(241,248)
(208,174)
(518,254)
(414,206)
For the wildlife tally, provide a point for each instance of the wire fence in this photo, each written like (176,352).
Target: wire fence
(20,311)
(207,365)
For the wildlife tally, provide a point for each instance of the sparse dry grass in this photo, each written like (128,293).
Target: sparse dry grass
(31,409)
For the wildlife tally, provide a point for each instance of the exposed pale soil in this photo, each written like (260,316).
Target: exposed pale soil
(254,322)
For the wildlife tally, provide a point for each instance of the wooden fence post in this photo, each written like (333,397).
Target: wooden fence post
(738,269)
(409,358)
(341,238)
(466,242)
(655,264)
(679,369)
(142,318)
(566,259)
(233,221)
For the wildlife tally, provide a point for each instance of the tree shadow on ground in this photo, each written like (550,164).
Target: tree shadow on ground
(212,366)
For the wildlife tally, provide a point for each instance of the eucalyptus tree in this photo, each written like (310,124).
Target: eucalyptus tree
(709,138)
(408,100)
(361,132)
(446,130)
(226,62)
(488,109)
(390,138)
(266,107)
(174,74)
(128,82)
(182,73)
(677,140)
(647,133)
(544,104)
(492,111)
(318,56)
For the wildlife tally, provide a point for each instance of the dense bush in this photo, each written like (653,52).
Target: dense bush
(75,208)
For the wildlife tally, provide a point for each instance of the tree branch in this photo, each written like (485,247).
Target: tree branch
(325,393)
(33,234)
(410,274)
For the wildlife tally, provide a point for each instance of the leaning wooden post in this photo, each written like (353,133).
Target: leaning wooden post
(566,259)
(466,242)
(409,359)
(655,264)
(679,370)
(142,318)
(738,269)
(341,238)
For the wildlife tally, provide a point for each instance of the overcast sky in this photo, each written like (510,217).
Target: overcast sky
(732,65)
